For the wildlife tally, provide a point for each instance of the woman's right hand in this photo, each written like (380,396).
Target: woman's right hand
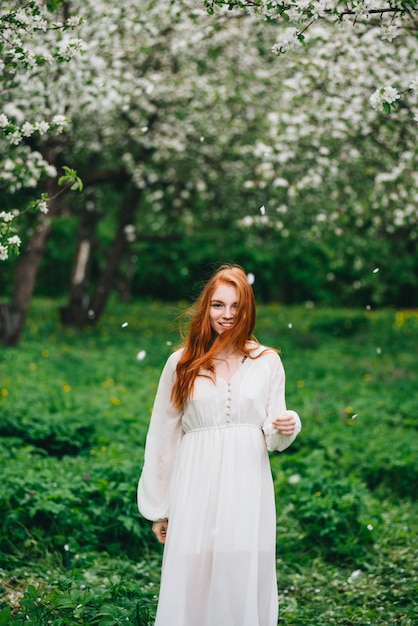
(159,528)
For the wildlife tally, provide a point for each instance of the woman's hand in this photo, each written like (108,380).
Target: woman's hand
(285,423)
(159,528)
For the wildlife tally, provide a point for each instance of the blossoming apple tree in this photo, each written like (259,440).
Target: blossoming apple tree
(32,44)
(146,113)
(175,120)
(339,163)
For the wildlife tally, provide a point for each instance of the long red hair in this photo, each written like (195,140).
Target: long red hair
(202,343)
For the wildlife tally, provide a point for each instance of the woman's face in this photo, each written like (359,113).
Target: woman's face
(223,308)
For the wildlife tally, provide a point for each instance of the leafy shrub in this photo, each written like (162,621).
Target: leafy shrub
(339,324)
(70,506)
(394,473)
(57,433)
(336,513)
(66,600)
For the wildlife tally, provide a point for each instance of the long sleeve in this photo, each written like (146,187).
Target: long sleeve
(163,438)
(276,406)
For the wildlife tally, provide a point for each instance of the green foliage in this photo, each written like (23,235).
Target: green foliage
(336,513)
(74,412)
(70,179)
(70,506)
(73,600)
(163,266)
(55,433)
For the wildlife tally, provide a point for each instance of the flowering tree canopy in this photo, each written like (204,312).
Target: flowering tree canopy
(143,109)
(325,22)
(33,45)
(341,153)
(206,118)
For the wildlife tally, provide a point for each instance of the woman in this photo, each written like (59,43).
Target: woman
(206,482)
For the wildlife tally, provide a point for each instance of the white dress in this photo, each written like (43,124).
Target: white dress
(207,470)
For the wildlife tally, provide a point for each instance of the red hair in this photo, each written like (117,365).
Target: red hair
(202,343)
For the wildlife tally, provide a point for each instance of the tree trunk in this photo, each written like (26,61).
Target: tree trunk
(14,313)
(76,312)
(116,252)
(81,309)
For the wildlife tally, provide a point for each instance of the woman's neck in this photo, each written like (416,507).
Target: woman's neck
(228,353)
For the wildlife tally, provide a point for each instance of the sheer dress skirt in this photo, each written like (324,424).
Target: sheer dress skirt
(219,565)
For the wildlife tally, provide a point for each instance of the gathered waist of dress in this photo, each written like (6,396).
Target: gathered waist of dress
(221,427)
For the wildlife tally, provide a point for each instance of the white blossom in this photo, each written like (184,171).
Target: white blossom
(387,94)
(43,206)
(247,221)
(60,121)
(376,99)
(4,252)
(22,17)
(27,129)
(390,94)
(287,43)
(50,170)
(74,20)
(129,231)
(15,138)
(41,127)
(6,217)
(14,240)
(389,32)
(414,83)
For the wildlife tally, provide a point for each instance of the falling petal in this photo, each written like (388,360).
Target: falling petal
(290,325)
(263,210)
(91,314)
(376,269)
(369,527)
(251,278)
(168,343)
(144,129)
(354,575)
(353,417)
(368,307)
(124,325)
(202,139)
(141,355)
(378,350)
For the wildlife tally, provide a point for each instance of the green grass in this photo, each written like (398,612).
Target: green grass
(74,410)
